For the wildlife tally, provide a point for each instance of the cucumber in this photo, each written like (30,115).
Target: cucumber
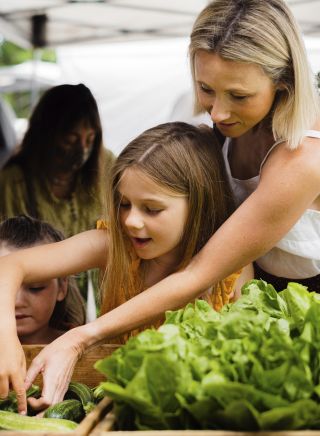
(81,392)
(10,403)
(13,421)
(34,391)
(99,393)
(67,409)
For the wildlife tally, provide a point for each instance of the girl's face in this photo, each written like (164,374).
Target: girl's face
(34,306)
(152,217)
(236,95)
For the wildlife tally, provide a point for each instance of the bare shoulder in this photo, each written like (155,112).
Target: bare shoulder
(305,160)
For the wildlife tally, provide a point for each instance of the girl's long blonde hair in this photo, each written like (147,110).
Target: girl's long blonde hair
(263,32)
(185,160)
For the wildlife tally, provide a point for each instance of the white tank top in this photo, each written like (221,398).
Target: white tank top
(297,254)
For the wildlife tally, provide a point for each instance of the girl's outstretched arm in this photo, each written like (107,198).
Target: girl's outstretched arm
(79,253)
(290,183)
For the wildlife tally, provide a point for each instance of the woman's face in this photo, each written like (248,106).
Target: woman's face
(236,95)
(74,147)
(35,303)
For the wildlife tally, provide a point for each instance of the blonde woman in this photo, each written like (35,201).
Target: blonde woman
(168,194)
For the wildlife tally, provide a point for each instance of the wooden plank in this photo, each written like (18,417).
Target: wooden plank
(84,371)
(206,433)
(94,417)
(105,426)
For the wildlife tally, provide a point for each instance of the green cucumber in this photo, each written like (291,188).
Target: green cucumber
(34,391)
(81,392)
(67,409)
(13,421)
(10,403)
(99,393)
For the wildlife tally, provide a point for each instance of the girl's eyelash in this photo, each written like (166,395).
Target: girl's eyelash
(153,211)
(36,288)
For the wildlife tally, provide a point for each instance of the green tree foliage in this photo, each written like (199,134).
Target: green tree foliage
(12,54)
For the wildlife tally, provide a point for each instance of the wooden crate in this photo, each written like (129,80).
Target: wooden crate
(83,372)
(105,428)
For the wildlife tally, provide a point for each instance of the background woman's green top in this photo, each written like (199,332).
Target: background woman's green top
(71,215)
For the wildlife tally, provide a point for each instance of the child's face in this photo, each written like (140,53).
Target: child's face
(153,218)
(34,306)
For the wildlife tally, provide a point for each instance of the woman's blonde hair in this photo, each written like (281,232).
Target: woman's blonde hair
(264,33)
(184,160)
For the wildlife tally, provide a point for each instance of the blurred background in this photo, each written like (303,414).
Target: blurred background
(132,54)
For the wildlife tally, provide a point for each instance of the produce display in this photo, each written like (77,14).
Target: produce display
(79,400)
(253,366)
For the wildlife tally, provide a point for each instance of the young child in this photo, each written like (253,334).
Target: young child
(167,195)
(44,310)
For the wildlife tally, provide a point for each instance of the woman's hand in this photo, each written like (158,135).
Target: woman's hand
(13,370)
(56,362)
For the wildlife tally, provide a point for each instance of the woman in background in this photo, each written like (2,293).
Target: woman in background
(59,173)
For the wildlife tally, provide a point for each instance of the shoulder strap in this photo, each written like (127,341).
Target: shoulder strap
(269,151)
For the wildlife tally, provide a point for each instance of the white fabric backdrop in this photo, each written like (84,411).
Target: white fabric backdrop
(137,84)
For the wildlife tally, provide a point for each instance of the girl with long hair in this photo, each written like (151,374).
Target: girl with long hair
(167,195)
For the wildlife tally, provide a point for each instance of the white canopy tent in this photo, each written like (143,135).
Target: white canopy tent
(131,53)
(58,22)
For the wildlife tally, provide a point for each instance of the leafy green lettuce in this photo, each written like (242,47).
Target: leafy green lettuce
(253,366)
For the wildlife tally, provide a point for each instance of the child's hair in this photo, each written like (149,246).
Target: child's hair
(264,33)
(22,232)
(185,160)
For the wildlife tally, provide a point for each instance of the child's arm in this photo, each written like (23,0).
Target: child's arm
(81,252)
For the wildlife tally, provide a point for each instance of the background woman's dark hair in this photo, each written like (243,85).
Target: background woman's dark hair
(22,232)
(60,109)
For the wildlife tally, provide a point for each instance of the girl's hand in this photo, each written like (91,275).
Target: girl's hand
(56,362)
(13,370)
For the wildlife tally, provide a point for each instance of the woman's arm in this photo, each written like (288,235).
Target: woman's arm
(81,252)
(290,183)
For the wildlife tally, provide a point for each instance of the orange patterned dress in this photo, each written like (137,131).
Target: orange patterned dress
(217,297)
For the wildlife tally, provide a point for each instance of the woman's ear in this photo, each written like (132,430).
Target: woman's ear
(281,86)
(63,289)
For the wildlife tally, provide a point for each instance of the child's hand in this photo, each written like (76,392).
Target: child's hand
(56,363)
(13,370)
